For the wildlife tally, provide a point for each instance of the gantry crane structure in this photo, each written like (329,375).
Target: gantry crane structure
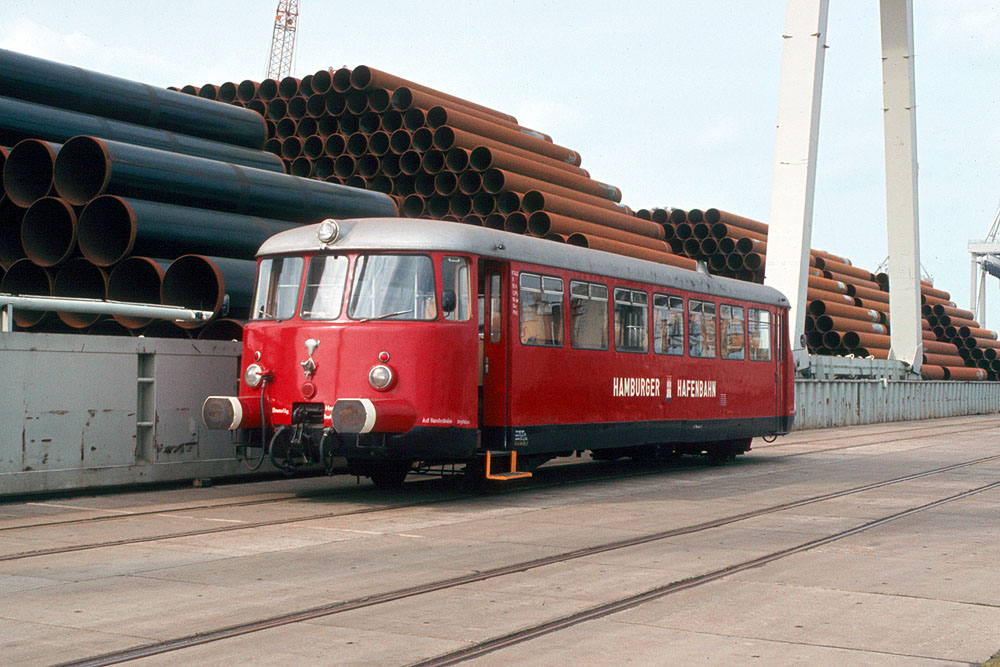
(985,260)
(286,19)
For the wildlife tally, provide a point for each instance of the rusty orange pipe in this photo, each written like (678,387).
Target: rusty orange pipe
(714,215)
(629,250)
(542,224)
(498,180)
(536,200)
(364,77)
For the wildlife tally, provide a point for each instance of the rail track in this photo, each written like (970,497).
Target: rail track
(304,497)
(526,634)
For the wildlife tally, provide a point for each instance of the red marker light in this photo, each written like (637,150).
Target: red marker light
(383,356)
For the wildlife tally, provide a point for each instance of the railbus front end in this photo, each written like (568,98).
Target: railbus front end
(357,358)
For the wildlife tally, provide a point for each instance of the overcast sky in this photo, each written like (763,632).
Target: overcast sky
(673,101)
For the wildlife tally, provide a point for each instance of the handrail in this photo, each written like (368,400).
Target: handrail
(82,305)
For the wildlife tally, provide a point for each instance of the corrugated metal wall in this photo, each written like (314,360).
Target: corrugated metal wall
(829,403)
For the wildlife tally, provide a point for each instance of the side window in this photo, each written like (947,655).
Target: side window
(630,320)
(588,307)
(668,324)
(496,308)
(759,334)
(455,279)
(701,329)
(541,306)
(732,343)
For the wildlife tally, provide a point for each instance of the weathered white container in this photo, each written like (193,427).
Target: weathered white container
(82,411)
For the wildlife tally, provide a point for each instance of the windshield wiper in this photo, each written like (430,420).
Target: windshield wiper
(386,316)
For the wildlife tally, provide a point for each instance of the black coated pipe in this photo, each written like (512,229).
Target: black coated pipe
(136,280)
(203,283)
(165,328)
(225,328)
(48,231)
(28,169)
(110,228)
(11,215)
(108,327)
(88,167)
(23,120)
(25,278)
(55,84)
(79,278)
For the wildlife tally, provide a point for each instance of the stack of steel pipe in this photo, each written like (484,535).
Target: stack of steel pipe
(848,307)
(441,157)
(974,352)
(108,180)
(729,244)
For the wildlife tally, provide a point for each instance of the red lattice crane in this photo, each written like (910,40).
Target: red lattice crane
(286,19)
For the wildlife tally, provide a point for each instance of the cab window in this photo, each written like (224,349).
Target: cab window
(393,287)
(277,291)
(541,307)
(323,294)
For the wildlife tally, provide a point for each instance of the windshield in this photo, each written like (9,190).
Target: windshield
(324,290)
(277,288)
(396,287)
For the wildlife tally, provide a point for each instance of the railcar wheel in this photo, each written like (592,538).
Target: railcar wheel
(280,449)
(389,474)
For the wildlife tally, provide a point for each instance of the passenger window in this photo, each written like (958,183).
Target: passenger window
(541,305)
(759,334)
(630,320)
(588,306)
(732,344)
(277,290)
(495,308)
(668,324)
(455,279)
(324,291)
(701,329)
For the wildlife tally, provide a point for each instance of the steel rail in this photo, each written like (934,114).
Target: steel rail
(600,611)
(159,648)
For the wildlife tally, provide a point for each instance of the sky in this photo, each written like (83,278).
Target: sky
(674,102)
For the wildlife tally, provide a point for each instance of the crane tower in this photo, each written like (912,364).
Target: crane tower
(286,20)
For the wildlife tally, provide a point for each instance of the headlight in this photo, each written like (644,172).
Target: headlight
(254,375)
(380,377)
(328,231)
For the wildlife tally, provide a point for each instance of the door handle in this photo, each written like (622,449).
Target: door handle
(486,365)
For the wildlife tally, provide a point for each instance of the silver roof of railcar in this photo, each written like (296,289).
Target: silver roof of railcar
(430,235)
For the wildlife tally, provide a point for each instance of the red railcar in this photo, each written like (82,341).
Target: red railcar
(385,343)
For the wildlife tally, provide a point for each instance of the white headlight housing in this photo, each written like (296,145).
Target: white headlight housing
(328,231)
(380,377)
(254,375)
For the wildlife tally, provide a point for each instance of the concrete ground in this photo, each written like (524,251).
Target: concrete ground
(920,590)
